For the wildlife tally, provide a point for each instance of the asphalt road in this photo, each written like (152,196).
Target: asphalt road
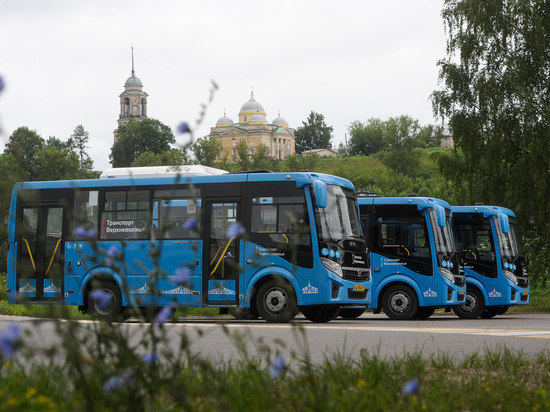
(375,334)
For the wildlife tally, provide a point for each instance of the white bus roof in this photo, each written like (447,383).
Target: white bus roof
(158,171)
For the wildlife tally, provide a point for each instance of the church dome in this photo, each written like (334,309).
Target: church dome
(279,121)
(224,121)
(133,81)
(258,119)
(252,106)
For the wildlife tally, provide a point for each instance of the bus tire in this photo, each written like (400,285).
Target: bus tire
(474,306)
(424,312)
(320,313)
(351,313)
(491,312)
(276,302)
(114,308)
(400,302)
(503,309)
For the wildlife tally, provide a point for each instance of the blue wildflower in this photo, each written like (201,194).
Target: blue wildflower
(114,382)
(9,340)
(234,230)
(411,387)
(112,252)
(278,367)
(182,274)
(80,232)
(183,127)
(91,233)
(102,298)
(151,358)
(165,314)
(190,224)
(1,83)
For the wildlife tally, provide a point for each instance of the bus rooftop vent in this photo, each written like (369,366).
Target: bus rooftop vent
(160,171)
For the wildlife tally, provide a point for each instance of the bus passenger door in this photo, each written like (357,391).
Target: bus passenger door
(40,254)
(221,254)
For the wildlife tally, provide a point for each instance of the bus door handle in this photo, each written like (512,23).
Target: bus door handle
(249,261)
(377,270)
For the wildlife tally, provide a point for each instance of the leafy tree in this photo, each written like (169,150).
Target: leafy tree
(24,144)
(12,172)
(78,141)
(314,134)
(55,164)
(401,139)
(243,154)
(311,161)
(495,97)
(172,158)
(261,159)
(206,151)
(137,137)
(293,163)
(57,143)
(366,138)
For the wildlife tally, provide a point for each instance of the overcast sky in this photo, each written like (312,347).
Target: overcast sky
(64,62)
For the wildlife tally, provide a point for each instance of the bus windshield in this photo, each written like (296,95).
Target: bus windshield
(339,219)
(443,236)
(509,243)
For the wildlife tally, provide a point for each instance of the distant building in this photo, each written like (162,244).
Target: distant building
(254,128)
(322,152)
(133,100)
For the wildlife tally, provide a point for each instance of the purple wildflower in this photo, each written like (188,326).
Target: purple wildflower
(190,224)
(411,387)
(91,233)
(278,367)
(112,252)
(183,127)
(1,83)
(151,358)
(234,230)
(182,274)
(164,314)
(102,298)
(9,340)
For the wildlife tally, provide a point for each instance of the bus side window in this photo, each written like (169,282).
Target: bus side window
(177,218)
(86,211)
(125,215)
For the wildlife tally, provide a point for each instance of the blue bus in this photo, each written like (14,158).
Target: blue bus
(262,244)
(494,263)
(415,267)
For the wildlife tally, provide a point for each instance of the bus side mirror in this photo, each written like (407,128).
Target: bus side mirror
(320,190)
(504,222)
(440,213)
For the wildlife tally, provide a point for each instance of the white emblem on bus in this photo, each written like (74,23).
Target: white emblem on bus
(430,293)
(495,294)
(309,289)
(221,291)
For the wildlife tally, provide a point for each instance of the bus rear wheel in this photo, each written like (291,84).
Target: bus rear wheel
(276,302)
(351,313)
(320,313)
(111,308)
(474,306)
(400,302)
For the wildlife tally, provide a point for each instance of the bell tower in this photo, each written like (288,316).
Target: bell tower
(133,100)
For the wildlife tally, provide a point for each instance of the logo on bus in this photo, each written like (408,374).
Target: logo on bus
(221,291)
(495,294)
(430,293)
(141,290)
(180,290)
(308,290)
(28,288)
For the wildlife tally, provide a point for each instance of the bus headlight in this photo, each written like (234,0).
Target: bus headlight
(447,274)
(332,266)
(510,276)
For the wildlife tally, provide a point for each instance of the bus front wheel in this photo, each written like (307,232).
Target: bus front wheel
(108,305)
(320,313)
(400,302)
(474,306)
(276,302)
(351,313)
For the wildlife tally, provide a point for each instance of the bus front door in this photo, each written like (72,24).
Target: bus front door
(40,254)
(221,254)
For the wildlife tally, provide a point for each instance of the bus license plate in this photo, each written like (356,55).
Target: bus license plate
(359,288)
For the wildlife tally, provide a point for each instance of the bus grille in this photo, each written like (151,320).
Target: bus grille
(523,281)
(356,274)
